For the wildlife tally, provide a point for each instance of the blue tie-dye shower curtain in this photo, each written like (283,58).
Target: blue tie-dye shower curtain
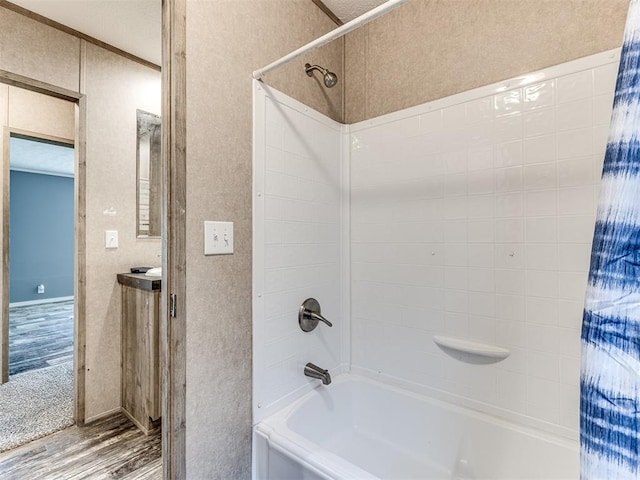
(610,374)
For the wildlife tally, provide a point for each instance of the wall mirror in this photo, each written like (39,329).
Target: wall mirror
(148,175)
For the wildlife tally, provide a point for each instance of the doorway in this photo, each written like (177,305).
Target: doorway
(41,239)
(39,205)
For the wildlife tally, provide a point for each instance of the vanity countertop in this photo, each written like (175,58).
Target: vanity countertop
(139,280)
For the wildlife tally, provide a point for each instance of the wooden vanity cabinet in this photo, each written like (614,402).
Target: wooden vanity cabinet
(140,350)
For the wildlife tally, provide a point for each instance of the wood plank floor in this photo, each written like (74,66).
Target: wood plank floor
(112,448)
(40,336)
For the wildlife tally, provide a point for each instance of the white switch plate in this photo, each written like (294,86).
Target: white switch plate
(218,238)
(111,239)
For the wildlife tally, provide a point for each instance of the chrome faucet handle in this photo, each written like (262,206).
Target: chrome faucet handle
(309,315)
(317,316)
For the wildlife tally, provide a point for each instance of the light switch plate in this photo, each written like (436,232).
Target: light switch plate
(111,239)
(218,238)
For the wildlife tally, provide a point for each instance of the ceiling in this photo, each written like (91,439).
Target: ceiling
(347,10)
(135,26)
(41,157)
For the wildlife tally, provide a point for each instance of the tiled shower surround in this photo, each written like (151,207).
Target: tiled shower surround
(472,217)
(297,245)
(469,217)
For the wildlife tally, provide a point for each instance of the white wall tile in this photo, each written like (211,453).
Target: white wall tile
(508,179)
(455,161)
(539,122)
(454,116)
(455,232)
(510,333)
(481,280)
(511,307)
(480,206)
(542,256)
(542,311)
(602,109)
(509,282)
(509,230)
(508,154)
(576,201)
(539,283)
(540,149)
(481,231)
(507,129)
(456,278)
(575,86)
(572,285)
(570,313)
(480,182)
(604,78)
(540,176)
(480,158)
(541,230)
(574,257)
(507,103)
(576,228)
(543,338)
(495,247)
(575,172)
(541,203)
(600,137)
(480,110)
(540,95)
(480,255)
(575,143)
(573,115)
(509,205)
(509,255)
(455,184)
(543,365)
(431,122)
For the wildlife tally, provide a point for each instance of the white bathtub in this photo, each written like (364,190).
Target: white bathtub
(357,428)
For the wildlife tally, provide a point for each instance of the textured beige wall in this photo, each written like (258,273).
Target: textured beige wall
(39,113)
(39,52)
(226,41)
(430,49)
(115,88)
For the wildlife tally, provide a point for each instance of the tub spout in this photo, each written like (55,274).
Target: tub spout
(313,371)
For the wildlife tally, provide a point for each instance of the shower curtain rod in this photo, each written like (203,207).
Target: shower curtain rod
(332,35)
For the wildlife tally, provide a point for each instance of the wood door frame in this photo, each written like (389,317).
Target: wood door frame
(79,143)
(173,326)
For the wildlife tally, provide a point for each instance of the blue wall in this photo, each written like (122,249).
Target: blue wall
(41,236)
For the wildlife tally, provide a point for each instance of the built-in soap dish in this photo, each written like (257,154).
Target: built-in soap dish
(469,351)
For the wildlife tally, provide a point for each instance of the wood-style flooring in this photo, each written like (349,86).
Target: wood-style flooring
(40,336)
(112,448)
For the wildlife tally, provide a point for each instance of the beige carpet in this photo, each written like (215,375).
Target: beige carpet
(34,404)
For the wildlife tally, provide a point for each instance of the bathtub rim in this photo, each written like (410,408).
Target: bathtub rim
(324,463)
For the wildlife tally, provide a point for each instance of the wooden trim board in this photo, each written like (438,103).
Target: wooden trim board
(320,4)
(173,329)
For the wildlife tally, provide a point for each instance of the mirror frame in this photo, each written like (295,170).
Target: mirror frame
(149,211)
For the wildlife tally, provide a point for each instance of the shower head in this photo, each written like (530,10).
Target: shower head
(330,78)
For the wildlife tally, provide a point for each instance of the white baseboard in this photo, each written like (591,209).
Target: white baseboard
(38,302)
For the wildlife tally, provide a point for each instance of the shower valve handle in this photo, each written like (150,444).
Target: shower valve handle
(318,317)
(309,315)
